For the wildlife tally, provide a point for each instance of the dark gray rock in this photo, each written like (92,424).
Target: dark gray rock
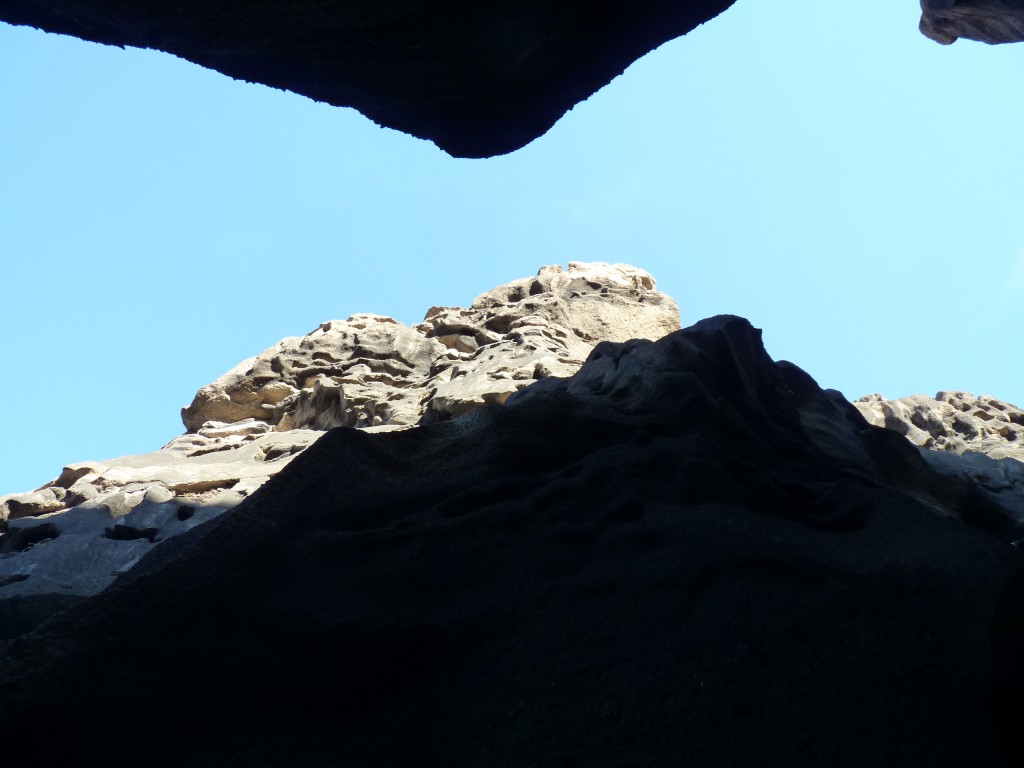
(685,554)
(477,78)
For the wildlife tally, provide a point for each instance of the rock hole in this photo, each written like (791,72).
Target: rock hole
(130,533)
(325,357)
(184,513)
(536,287)
(12,578)
(499,324)
(22,539)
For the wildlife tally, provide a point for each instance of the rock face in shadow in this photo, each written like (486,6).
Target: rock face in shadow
(477,78)
(977,441)
(989,21)
(685,554)
(73,536)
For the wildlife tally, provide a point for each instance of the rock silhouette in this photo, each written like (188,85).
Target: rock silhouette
(686,553)
(477,79)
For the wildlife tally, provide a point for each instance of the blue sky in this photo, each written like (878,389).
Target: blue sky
(848,185)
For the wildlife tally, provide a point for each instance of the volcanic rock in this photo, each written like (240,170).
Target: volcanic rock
(684,554)
(990,21)
(478,79)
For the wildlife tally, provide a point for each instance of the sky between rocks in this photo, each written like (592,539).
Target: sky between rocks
(822,169)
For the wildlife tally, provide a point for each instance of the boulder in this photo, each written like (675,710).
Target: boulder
(374,358)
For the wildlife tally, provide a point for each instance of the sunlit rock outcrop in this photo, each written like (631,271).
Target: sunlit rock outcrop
(371,370)
(951,421)
(978,440)
(75,535)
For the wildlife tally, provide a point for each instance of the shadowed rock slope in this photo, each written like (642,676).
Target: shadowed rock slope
(477,78)
(685,554)
(97,519)
(979,440)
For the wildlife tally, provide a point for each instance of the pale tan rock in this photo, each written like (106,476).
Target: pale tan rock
(367,372)
(537,327)
(371,356)
(951,421)
(371,370)
(979,440)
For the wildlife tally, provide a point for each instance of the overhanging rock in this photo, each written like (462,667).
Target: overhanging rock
(478,79)
(989,21)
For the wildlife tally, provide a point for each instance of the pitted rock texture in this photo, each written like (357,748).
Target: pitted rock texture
(367,372)
(951,421)
(989,21)
(221,464)
(477,78)
(373,359)
(75,535)
(686,554)
(977,442)
(371,370)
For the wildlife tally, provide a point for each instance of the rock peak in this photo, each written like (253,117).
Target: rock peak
(372,371)
(366,372)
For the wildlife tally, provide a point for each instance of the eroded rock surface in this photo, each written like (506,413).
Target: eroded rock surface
(477,78)
(951,421)
(686,553)
(371,370)
(989,21)
(979,440)
(77,533)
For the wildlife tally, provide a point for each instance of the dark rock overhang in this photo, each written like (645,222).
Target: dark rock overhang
(478,79)
(990,21)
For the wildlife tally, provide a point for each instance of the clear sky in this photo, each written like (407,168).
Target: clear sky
(821,168)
